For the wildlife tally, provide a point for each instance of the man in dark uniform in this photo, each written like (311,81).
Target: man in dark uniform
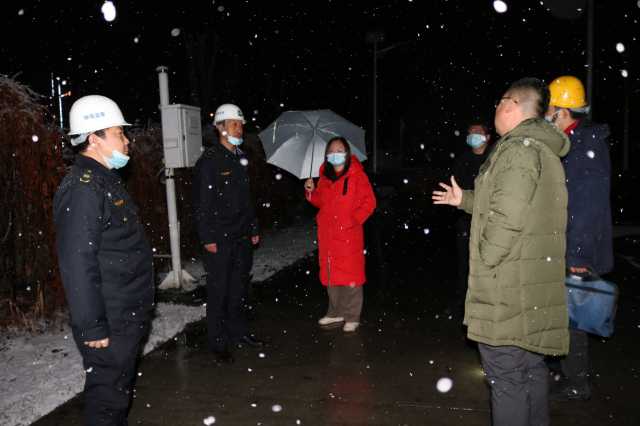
(465,170)
(589,225)
(227,228)
(105,260)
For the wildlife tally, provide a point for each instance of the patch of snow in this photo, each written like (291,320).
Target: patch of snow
(40,372)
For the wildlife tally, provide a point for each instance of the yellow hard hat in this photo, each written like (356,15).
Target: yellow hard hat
(567,92)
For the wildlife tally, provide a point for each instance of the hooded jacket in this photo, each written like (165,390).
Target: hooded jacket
(517,295)
(345,204)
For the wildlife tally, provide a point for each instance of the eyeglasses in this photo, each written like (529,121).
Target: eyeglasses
(511,98)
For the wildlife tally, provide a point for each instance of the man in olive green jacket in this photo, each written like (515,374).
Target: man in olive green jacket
(516,306)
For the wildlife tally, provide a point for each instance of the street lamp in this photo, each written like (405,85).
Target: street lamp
(374,38)
(56,92)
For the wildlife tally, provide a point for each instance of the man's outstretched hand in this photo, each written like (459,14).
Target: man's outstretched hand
(452,195)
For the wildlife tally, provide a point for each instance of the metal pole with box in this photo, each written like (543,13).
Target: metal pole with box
(182,142)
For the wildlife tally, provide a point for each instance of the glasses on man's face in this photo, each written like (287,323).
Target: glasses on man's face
(511,98)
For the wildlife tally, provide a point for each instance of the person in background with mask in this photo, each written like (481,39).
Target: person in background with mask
(227,228)
(345,200)
(465,171)
(106,262)
(589,224)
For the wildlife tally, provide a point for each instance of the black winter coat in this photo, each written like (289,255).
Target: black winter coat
(105,260)
(222,202)
(588,172)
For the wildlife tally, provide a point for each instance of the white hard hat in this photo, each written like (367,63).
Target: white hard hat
(94,112)
(228,112)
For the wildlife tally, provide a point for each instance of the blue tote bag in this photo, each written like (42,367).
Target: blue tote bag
(592,304)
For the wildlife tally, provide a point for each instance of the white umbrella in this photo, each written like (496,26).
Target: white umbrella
(296,140)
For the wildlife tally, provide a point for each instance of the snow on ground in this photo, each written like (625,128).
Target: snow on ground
(40,372)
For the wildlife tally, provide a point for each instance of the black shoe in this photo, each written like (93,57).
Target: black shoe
(224,356)
(250,340)
(567,391)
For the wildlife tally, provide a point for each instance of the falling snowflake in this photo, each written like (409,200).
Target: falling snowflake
(209,420)
(35,138)
(278,176)
(624,73)
(426,231)
(444,385)
(500,6)
(591,154)
(620,47)
(244,162)
(108,11)
(175,32)
(276,408)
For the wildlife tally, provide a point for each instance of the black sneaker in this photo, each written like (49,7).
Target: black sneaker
(250,340)
(567,391)
(224,356)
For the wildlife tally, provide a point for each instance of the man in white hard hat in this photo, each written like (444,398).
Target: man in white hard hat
(105,260)
(227,228)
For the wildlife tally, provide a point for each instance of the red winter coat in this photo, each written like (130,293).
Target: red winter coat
(340,219)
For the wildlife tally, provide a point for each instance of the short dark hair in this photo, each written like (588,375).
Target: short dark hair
(329,171)
(533,95)
(70,151)
(484,127)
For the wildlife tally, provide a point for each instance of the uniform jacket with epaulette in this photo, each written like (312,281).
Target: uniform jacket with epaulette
(105,259)
(223,206)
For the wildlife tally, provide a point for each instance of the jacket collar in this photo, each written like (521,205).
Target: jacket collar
(544,132)
(83,162)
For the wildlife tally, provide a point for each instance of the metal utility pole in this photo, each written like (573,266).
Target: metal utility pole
(375,38)
(176,277)
(590,64)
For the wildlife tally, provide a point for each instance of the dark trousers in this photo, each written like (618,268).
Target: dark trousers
(227,284)
(519,385)
(110,374)
(575,366)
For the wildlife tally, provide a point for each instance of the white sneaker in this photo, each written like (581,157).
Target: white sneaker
(330,320)
(350,326)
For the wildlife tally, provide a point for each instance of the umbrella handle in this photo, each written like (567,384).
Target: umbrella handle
(313,151)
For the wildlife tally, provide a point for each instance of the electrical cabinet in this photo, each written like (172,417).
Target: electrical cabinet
(181,135)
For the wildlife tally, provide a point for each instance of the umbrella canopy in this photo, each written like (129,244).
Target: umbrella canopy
(296,140)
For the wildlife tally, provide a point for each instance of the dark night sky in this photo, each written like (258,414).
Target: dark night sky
(460,56)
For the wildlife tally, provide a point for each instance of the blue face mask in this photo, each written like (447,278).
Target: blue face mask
(234,141)
(117,160)
(475,140)
(337,158)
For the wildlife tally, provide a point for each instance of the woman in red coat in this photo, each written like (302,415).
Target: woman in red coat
(345,199)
